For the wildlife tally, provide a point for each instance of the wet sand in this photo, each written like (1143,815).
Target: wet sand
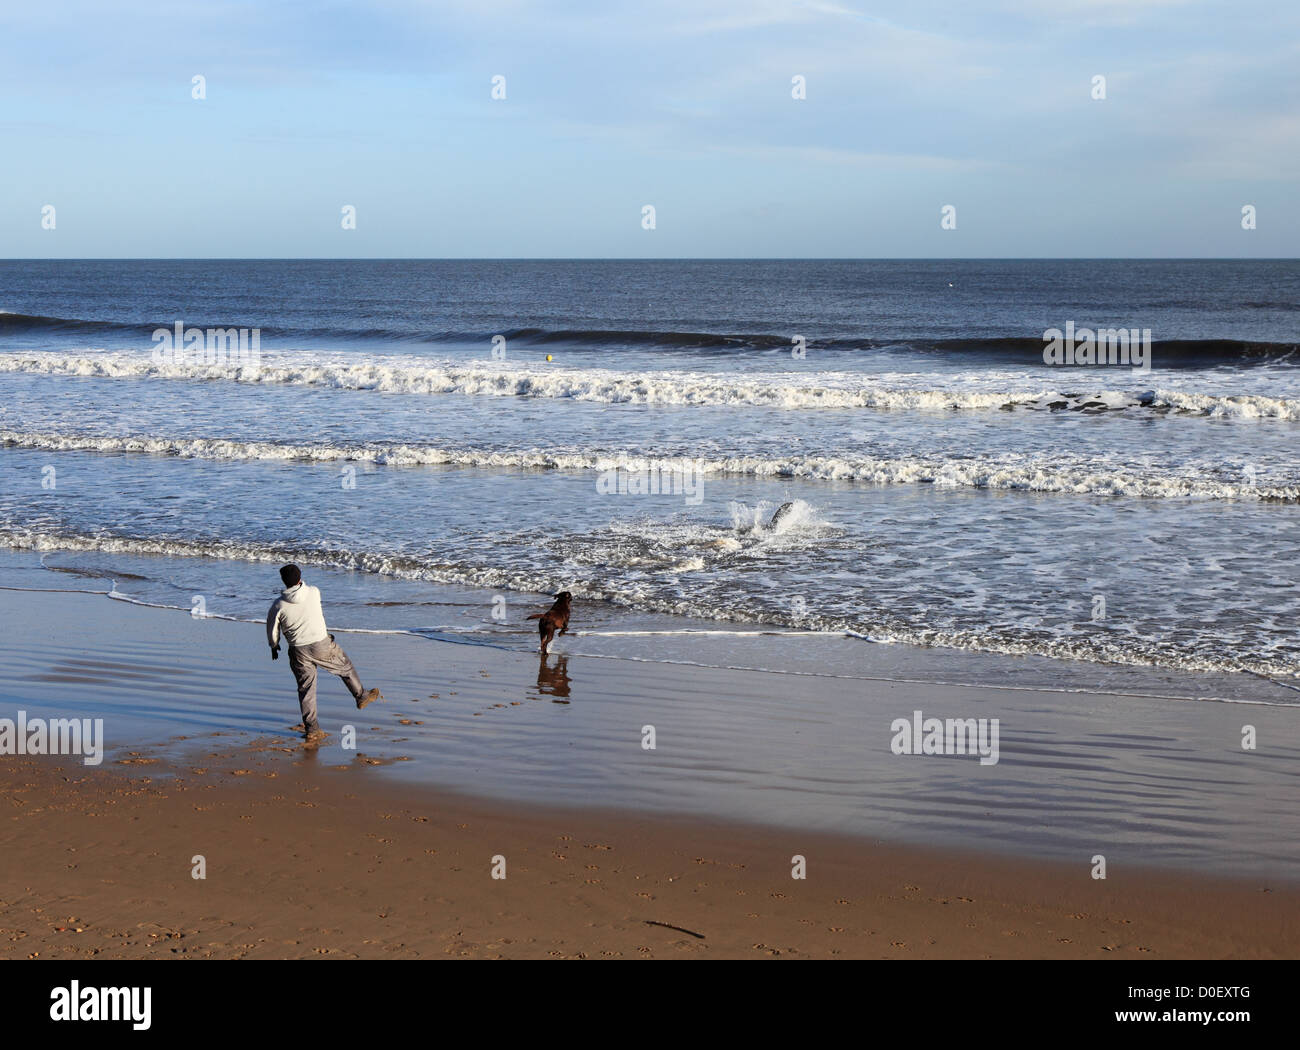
(1139,780)
(611,850)
(305,861)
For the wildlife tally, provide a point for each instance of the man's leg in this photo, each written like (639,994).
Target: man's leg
(304,671)
(330,655)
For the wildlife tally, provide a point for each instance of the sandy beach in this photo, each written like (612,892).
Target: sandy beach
(474,761)
(310,862)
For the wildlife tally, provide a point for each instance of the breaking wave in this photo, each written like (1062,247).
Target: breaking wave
(1062,474)
(839,390)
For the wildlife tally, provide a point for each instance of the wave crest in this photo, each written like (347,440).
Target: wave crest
(1012,471)
(837,391)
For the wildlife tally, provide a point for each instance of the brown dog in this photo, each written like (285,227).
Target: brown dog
(555,618)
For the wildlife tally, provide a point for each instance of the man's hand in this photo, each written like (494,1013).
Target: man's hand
(275,652)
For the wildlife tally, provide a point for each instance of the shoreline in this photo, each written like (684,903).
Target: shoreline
(902,662)
(758,630)
(618,628)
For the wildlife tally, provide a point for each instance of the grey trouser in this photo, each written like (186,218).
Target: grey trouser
(304,659)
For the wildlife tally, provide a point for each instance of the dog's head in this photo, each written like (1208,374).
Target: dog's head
(563,598)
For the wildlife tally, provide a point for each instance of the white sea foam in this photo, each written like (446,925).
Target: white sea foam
(1124,651)
(663,387)
(1063,473)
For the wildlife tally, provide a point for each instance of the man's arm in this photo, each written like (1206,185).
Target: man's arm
(273,629)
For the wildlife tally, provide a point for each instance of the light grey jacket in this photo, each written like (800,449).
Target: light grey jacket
(297,614)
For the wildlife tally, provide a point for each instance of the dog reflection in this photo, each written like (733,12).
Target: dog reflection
(553,680)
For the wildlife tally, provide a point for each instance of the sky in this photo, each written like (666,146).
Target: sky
(984,106)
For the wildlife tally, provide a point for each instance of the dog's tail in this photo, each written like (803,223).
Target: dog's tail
(536,616)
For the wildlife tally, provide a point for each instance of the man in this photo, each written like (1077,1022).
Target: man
(297,614)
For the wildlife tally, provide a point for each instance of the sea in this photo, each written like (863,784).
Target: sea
(825,467)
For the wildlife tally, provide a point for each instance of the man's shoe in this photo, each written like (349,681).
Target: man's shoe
(313,736)
(370,697)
